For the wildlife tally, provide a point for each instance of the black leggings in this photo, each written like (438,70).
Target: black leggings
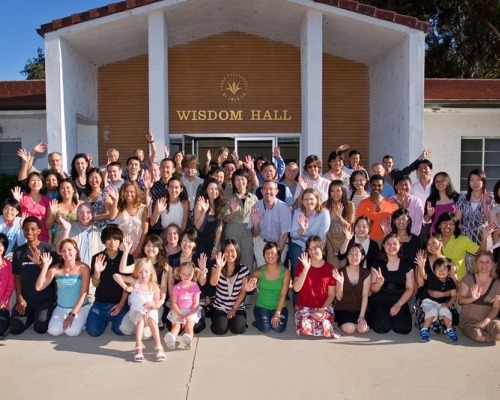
(382,322)
(221,324)
(39,315)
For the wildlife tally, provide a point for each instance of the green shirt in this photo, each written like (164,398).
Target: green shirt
(269,292)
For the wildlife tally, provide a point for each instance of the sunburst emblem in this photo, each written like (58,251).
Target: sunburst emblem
(234,87)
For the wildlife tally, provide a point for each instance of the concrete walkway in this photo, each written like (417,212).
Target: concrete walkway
(250,366)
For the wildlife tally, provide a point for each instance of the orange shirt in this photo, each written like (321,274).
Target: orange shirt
(387,207)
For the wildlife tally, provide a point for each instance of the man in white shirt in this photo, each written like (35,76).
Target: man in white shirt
(189,178)
(314,180)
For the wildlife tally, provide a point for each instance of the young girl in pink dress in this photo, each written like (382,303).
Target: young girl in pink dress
(185,309)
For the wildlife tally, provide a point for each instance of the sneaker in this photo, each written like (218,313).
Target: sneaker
(170,341)
(186,341)
(452,335)
(424,335)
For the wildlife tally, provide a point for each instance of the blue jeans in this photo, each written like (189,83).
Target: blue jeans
(263,319)
(294,252)
(99,317)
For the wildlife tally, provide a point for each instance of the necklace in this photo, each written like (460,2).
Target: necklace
(377,203)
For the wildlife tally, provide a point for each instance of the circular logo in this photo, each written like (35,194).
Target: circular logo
(234,87)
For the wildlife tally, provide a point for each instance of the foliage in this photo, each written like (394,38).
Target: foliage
(35,67)
(7,182)
(463,40)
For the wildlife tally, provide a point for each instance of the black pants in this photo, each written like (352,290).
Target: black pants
(382,322)
(4,322)
(221,324)
(39,315)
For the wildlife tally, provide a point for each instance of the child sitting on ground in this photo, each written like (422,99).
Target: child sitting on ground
(144,301)
(440,292)
(185,309)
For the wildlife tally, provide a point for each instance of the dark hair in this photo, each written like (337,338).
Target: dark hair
(47,172)
(114,164)
(496,189)
(360,248)
(353,176)
(73,172)
(161,260)
(271,245)
(424,161)
(237,265)
(32,174)
(430,236)
(91,171)
(445,217)
(343,200)
(242,172)
(255,163)
(401,178)
(11,202)
(227,162)
(312,159)
(440,262)
(4,241)
(354,153)
(74,198)
(387,156)
(267,164)
(34,220)
(480,173)
(376,177)
(134,158)
(111,232)
(363,218)
(182,195)
(399,213)
(383,255)
(334,154)
(191,234)
(220,201)
(450,190)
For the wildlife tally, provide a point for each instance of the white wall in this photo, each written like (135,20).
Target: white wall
(445,128)
(27,126)
(396,102)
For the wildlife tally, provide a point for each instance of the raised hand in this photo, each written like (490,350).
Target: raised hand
(40,147)
(127,243)
(338,210)
(348,232)
(202,261)
(426,154)
(220,260)
(343,147)
(204,204)
(100,264)
(379,278)
(90,157)
(148,182)
(209,156)
(420,260)
(17,193)
(167,151)
(112,194)
(234,204)
(277,152)
(430,209)
(249,163)
(385,225)
(251,285)
(66,225)
(475,292)
(161,204)
(24,155)
(302,183)
(150,137)
(488,228)
(46,259)
(235,156)
(338,276)
(54,206)
(35,256)
(305,260)
(303,222)
(256,216)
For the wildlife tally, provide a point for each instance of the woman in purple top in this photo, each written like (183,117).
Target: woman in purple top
(442,199)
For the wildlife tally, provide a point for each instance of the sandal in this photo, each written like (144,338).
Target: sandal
(160,354)
(138,357)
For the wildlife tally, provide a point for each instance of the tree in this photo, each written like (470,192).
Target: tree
(463,40)
(35,67)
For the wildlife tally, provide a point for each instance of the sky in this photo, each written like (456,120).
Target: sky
(19,20)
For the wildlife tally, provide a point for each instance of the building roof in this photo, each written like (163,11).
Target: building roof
(22,95)
(462,91)
(114,8)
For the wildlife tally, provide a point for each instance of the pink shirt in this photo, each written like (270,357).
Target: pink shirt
(38,210)
(6,283)
(185,296)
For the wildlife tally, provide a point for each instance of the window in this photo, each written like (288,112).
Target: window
(10,163)
(480,153)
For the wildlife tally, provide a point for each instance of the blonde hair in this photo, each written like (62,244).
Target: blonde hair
(196,271)
(489,254)
(142,262)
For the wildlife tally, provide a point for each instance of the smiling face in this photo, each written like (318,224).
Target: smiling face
(315,251)
(434,246)
(447,228)
(220,176)
(81,164)
(484,264)
(133,167)
(359,181)
(376,186)
(336,193)
(230,254)
(271,255)
(9,213)
(84,214)
(187,245)
(401,222)
(354,256)
(129,194)
(172,236)
(95,180)
(362,229)
(35,183)
(424,173)
(403,187)
(309,201)
(69,252)
(268,173)
(313,171)
(31,231)
(441,182)
(66,190)
(336,164)
(167,169)
(174,189)
(51,182)
(212,191)
(186,274)
(269,191)
(144,273)
(392,246)
(475,183)
(55,162)
(112,245)
(442,272)
(114,173)
(291,171)
(240,183)
(151,250)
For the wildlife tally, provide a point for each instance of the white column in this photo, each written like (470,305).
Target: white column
(158,80)
(311,51)
(56,126)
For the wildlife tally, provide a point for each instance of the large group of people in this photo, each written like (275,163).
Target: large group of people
(174,245)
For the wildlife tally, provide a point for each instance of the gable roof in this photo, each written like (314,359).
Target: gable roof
(114,8)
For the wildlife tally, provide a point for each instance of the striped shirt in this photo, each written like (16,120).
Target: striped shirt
(228,289)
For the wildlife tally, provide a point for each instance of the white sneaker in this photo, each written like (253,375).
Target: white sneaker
(186,341)
(170,341)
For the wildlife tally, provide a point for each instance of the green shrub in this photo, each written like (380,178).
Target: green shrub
(7,182)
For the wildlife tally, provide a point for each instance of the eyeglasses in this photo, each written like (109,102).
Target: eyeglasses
(311,166)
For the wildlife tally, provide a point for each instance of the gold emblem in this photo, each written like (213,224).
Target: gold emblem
(234,87)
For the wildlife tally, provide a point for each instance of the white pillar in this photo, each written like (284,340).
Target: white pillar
(56,125)
(311,56)
(158,80)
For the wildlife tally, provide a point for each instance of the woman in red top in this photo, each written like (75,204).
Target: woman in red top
(315,284)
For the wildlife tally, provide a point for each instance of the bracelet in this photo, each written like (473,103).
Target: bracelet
(152,141)
(71,314)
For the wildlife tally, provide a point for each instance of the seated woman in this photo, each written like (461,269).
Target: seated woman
(6,286)
(315,282)
(351,305)
(72,280)
(229,278)
(392,285)
(479,295)
(272,281)
(401,225)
